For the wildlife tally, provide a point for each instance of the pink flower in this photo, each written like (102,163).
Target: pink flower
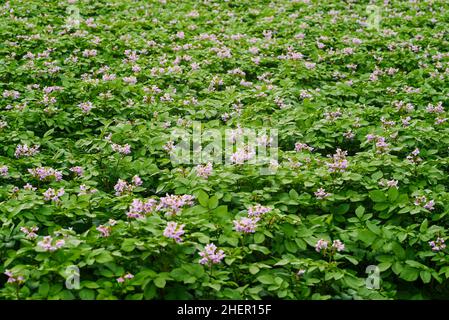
(204,171)
(122,187)
(29,187)
(125,149)
(53,195)
(258,210)
(321,245)
(104,230)
(47,244)
(45,173)
(137,181)
(77,170)
(438,244)
(338,245)
(246,225)
(130,80)
(300,272)
(339,162)
(128,276)
(302,146)
(174,231)
(25,151)
(210,255)
(3,171)
(430,205)
(321,193)
(30,232)
(172,204)
(86,106)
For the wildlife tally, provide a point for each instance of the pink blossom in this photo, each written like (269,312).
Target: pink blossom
(321,194)
(174,231)
(438,244)
(246,225)
(210,255)
(258,210)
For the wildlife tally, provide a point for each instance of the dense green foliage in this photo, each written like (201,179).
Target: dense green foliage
(104,95)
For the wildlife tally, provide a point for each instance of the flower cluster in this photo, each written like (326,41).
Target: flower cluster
(77,170)
(48,244)
(246,225)
(26,151)
(85,190)
(388,183)
(29,187)
(86,106)
(4,171)
(122,186)
(323,246)
(127,276)
(414,156)
(422,201)
(105,229)
(249,224)
(12,278)
(339,162)
(210,255)
(204,171)
(125,149)
(258,210)
(139,208)
(302,146)
(174,231)
(172,204)
(53,195)
(381,145)
(43,173)
(438,244)
(242,155)
(30,232)
(321,193)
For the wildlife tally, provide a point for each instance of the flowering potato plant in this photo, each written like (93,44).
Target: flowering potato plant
(93,92)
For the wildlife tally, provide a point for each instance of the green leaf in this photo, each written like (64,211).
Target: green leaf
(128,245)
(398,250)
(293,194)
(160,282)
(87,294)
(383,266)
(262,249)
(426,276)
(213,202)
(424,226)
(393,194)
(352,260)
(253,269)
(259,237)
(43,289)
(360,211)
(266,279)
(377,196)
(377,175)
(409,274)
(366,236)
(342,208)
(104,257)
(90,284)
(203,198)
(381,206)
